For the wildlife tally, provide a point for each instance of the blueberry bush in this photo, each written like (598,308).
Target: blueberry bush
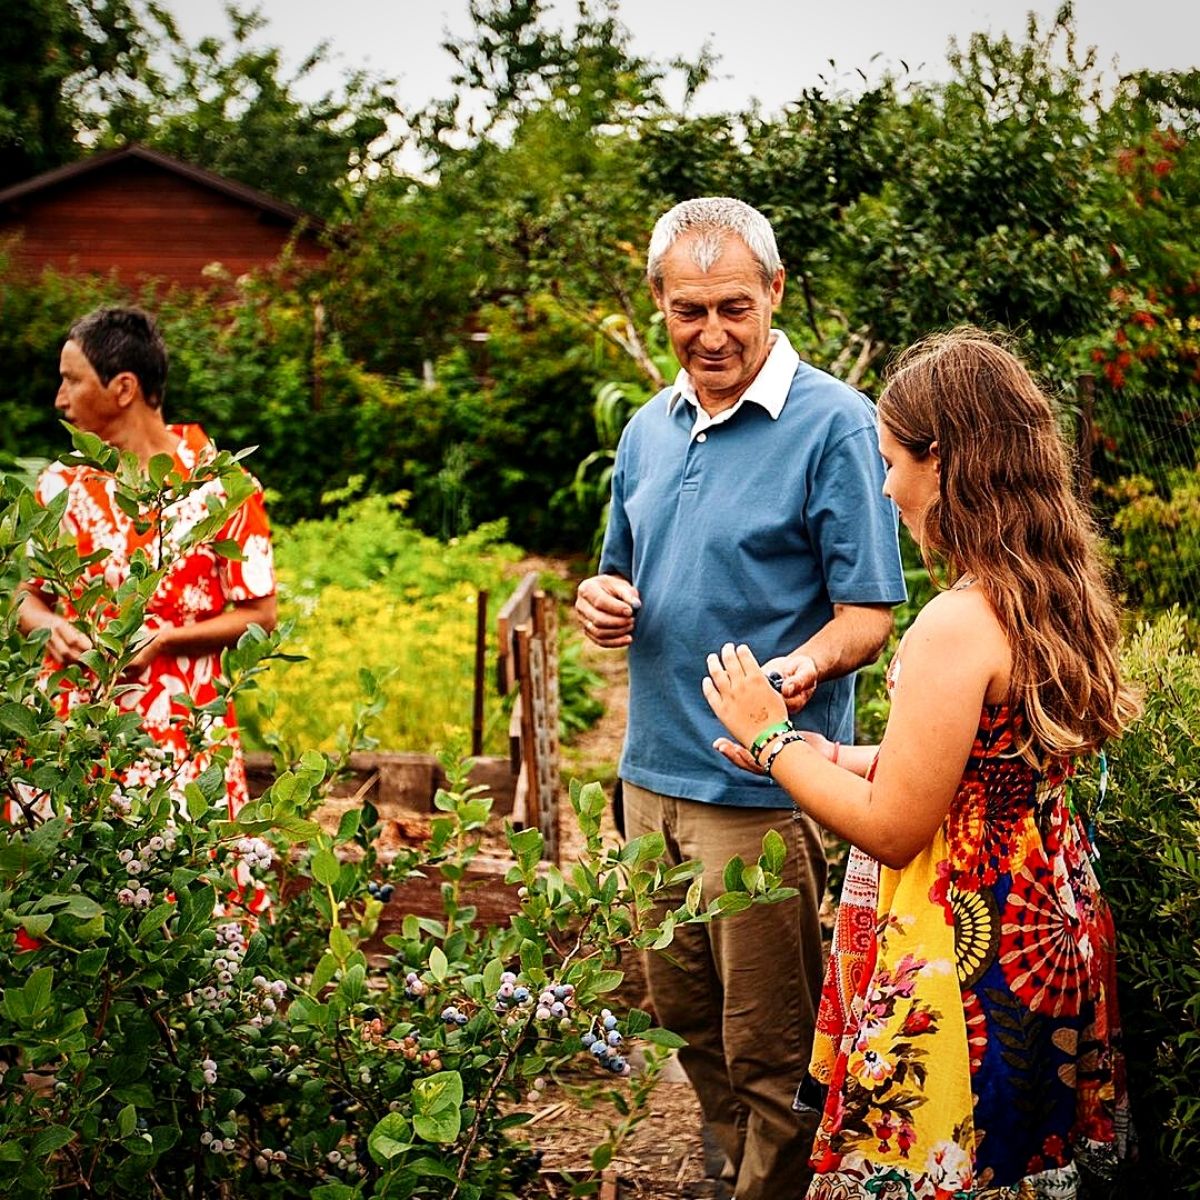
(159,1039)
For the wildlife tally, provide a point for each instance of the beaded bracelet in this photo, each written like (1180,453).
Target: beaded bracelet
(777,747)
(756,747)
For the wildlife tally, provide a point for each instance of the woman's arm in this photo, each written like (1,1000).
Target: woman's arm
(953,652)
(36,611)
(210,636)
(855,759)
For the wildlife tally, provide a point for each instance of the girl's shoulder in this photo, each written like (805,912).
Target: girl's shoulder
(961,622)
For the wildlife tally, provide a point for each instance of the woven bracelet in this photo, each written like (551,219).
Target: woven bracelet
(785,740)
(756,747)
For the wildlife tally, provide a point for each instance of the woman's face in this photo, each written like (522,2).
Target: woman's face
(911,483)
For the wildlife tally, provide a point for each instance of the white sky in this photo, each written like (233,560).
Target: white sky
(770,49)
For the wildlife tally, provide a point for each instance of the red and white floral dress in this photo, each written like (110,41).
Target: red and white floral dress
(198,585)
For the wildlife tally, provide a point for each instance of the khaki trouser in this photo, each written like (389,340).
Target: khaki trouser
(743,990)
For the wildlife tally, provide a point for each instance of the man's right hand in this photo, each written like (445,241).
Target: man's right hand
(606,605)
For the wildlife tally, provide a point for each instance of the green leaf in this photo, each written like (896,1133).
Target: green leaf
(491,976)
(325,867)
(774,851)
(334,1191)
(82,907)
(437,1107)
(126,1120)
(197,805)
(19,720)
(52,1138)
(438,966)
(731,902)
(340,943)
(733,874)
(664,1037)
(391,1137)
(37,990)
(348,825)
(695,895)
(37,923)
(159,467)
(228,548)
(605,981)
(156,918)
(324,972)
(353,983)
(636,1022)
(602,1156)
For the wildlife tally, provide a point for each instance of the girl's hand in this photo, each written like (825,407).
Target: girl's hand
(738,755)
(740,695)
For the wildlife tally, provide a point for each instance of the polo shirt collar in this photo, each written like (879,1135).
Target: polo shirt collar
(769,388)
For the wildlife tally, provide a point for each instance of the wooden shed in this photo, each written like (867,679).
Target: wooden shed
(146,215)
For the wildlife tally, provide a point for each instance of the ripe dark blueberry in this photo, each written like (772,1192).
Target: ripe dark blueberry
(588,1038)
(614,1038)
(520,994)
(561,993)
(386,892)
(610,1022)
(597,1047)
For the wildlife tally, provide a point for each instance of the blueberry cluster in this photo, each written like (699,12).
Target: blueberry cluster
(603,1039)
(215,1144)
(554,1002)
(380,891)
(452,1016)
(414,986)
(255,853)
(510,993)
(139,899)
(270,1160)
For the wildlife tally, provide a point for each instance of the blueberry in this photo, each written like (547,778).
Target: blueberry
(598,1047)
(610,1022)
(588,1038)
(386,892)
(520,994)
(614,1038)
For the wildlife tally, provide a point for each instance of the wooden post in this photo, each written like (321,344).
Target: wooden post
(481,607)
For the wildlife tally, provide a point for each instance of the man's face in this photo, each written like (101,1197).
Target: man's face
(82,398)
(719,321)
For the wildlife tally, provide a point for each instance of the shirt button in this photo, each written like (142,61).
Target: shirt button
(702,437)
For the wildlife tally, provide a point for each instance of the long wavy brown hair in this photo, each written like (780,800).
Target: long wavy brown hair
(1008,515)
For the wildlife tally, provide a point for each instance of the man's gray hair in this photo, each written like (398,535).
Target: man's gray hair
(712,219)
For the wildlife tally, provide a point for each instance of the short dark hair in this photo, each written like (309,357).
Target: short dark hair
(124,339)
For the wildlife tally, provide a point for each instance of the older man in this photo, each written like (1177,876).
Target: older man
(746,507)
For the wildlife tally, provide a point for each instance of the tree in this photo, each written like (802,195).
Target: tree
(59,61)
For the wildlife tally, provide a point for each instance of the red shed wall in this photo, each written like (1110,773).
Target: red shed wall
(143,220)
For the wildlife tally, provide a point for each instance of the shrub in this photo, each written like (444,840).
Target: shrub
(1149,839)
(159,1040)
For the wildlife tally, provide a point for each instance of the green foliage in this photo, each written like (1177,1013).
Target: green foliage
(1159,535)
(60,61)
(366,591)
(162,1041)
(1149,838)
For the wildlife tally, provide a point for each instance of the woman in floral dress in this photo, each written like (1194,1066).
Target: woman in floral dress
(968,1034)
(113,368)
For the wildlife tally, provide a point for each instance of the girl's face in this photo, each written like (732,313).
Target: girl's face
(911,483)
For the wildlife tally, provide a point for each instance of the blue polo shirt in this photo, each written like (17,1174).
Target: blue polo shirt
(747,528)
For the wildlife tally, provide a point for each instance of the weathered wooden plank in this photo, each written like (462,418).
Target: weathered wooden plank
(517,610)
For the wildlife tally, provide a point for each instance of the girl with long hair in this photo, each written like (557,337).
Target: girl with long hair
(968,1039)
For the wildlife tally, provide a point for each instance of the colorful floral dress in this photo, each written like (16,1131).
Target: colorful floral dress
(198,585)
(968,1030)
